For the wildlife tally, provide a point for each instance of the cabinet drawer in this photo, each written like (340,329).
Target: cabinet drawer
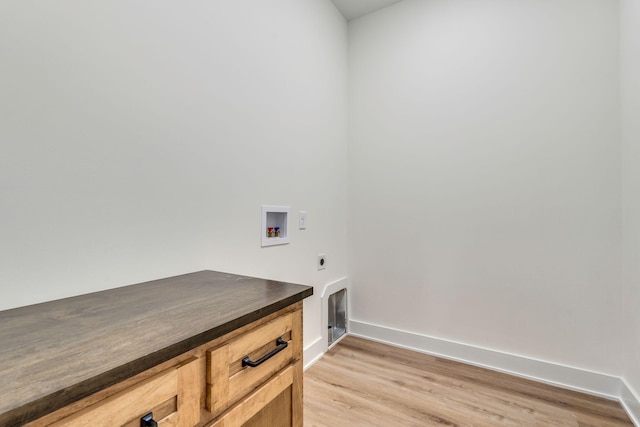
(228,380)
(171,395)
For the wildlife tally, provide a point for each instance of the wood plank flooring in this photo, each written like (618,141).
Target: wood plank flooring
(363,383)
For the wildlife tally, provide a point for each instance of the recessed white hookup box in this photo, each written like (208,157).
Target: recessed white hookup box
(275,225)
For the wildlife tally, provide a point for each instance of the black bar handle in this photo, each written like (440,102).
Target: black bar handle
(148,421)
(281,345)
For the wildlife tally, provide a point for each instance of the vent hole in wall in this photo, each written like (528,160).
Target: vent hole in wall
(337,305)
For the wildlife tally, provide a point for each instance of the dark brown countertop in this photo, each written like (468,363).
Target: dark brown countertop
(55,353)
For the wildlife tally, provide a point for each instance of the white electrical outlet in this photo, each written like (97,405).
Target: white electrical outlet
(302,220)
(322,261)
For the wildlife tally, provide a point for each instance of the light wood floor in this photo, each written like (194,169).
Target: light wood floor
(362,383)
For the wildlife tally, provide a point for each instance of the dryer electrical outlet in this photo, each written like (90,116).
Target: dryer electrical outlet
(322,261)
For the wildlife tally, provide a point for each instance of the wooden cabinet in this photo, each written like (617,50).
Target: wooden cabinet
(173,347)
(209,385)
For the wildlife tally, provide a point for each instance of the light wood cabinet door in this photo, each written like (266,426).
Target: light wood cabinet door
(277,403)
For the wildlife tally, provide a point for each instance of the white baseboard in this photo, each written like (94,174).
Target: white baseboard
(631,403)
(594,383)
(313,352)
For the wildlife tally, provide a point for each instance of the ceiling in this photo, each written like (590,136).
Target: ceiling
(352,9)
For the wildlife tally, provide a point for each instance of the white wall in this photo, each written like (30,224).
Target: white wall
(139,140)
(630,97)
(484,172)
